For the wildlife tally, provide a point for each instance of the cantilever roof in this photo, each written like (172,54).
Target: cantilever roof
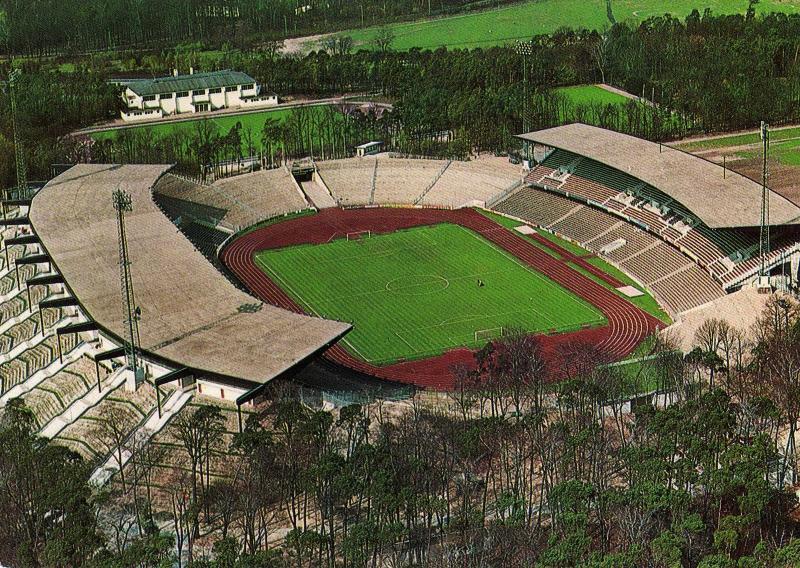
(191,314)
(720,202)
(195,81)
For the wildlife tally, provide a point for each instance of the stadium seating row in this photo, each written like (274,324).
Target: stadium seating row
(394,181)
(675,279)
(601,184)
(237,202)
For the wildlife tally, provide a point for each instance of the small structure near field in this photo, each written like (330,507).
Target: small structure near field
(368,149)
(196,92)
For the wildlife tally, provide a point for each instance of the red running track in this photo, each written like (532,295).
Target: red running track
(627,324)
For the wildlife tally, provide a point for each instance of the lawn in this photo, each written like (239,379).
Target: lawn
(592,94)
(253,121)
(524,20)
(646,302)
(417,293)
(783,134)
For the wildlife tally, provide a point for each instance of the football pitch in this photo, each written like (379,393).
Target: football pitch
(419,292)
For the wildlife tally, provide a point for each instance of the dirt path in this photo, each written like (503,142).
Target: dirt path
(302,45)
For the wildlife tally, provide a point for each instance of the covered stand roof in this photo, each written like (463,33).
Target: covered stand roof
(719,199)
(191,314)
(195,81)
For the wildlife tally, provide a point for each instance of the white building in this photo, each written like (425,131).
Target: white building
(148,99)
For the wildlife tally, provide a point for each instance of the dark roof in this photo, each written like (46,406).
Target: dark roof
(196,81)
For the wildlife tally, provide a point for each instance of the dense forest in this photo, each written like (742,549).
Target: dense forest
(78,26)
(510,469)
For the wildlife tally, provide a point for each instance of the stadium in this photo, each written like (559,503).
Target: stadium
(393,268)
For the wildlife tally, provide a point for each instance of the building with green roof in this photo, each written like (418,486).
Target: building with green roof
(148,99)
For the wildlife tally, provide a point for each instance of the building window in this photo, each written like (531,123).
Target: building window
(248,87)
(183,94)
(199,93)
(230,89)
(148,98)
(167,96)
(222,393)
(214,91)
(199,387)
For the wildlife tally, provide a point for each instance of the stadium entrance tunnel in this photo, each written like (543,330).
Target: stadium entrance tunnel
(624,326)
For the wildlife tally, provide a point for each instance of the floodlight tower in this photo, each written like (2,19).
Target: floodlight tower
(19,158)
(763,245)
(525,49)
(123,204)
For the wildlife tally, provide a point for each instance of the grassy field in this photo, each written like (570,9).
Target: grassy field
(254,121)
(645,302)
(416,293)
(784,134)
(592,94)
(521,21)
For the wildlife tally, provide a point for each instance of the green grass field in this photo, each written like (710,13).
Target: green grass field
(592,94)
(784,145)
(415,293)
(253,121)
(524,20)
(784,134)
(646,302)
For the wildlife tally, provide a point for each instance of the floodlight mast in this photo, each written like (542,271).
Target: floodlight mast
(525,49)
(123,204)
(763,244)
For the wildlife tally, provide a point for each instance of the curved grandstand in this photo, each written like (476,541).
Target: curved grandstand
(209,311)
(191,316)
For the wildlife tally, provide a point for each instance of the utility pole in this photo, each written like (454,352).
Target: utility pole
(763,244)
(123,204)
(19,156)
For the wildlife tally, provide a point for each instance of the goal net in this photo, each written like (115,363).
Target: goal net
(488,334)
(355,235)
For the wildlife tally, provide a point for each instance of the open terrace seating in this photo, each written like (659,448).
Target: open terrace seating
(652,220)
(27,329)
(350,181)
(687,289)
(55,394)
(402,181)
(474,181)
(19,303)
(34,359)
(655,263)
(130,409)
(536,206)
(635,239)
(239,201)
(585,224)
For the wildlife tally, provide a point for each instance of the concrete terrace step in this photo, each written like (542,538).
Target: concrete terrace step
(80,406)
(152,426)
(34,380)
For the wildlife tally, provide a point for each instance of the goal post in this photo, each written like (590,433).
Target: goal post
(488,334)
(356,235)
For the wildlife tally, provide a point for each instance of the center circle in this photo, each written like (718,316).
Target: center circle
(418,284)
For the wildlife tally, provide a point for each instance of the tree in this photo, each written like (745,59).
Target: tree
(45,500)
(384,37)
